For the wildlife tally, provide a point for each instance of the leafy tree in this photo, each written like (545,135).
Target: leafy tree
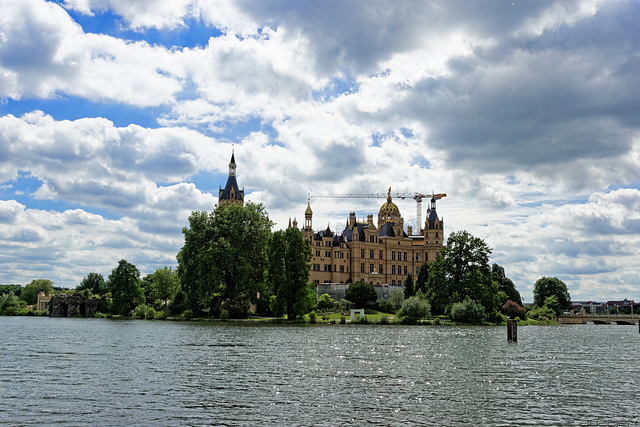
(460,271)
(361,294)
(161,285)
(552,286)
(409,291)
(31,290)
(325,302)
(513,310)
(288,273)
(506,285)
(10,304)
(224,254)
(95,282)
(126,289)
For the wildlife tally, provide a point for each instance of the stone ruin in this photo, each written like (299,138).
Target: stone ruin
(72,306)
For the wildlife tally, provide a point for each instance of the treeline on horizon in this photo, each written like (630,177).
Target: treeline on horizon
(232,262)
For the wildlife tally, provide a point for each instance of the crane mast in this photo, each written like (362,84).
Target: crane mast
(416,196)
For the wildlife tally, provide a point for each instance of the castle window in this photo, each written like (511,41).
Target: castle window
(393,269)
(362,267)
(361,253)
(405,270)
(342,269)
(393,255)
(418,257)
(370,268)
(399,269)
(371,253)
(393,282)
(380,268)
(405,256)
(380,254)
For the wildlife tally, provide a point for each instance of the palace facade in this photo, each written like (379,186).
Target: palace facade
(380,253)
(377,253)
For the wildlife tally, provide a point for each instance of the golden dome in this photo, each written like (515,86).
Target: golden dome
(308,211)
(389,212)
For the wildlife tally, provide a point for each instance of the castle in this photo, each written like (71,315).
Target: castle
(380,254)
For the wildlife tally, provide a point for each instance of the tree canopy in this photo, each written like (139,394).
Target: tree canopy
(161,286)
(361,294)
(546,287)
(288,273)
(224,254)
(125,286)
(95,282)
(506,285)
(460,271)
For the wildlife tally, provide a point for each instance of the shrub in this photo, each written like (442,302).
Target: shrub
(224,315)
(384,320)
(187,314)
(99,315)
(238,309)
(409,320)
(415,307)
(151,314)
(397,298)
(468,311)
(342,305)
(140,311)
(313,317)
(325,302)
(343,320)
(513,310)
(163,314)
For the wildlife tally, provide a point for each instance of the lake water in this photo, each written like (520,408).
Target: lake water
(119,372)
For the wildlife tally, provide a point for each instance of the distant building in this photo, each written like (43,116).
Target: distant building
(231,194)
(378,254)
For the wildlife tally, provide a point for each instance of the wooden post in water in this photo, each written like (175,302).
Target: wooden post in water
(512,330)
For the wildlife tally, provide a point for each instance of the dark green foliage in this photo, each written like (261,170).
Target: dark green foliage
(325,302)
(95,283)
(468,311)
(460,271)
(546,287)
(187,314)
(225,253)
(5,289)
(513,310)
(237,309)
(30,292)
(386,306)
(288,273)
(361,294)
(506,285)
(409,290)
(125,286)
(10,304)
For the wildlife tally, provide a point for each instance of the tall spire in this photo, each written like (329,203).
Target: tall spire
(232,164)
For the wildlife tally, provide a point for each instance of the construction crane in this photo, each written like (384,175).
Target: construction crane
(416,196)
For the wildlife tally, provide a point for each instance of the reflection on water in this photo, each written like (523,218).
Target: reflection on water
(100,371)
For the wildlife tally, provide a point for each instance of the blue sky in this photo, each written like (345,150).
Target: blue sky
(117,119)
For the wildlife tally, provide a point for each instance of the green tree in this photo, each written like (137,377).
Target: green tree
(409,291)
(468,311)
(288,273)
(325,302)
(31,290)
(95,282)
(506,285)
(361,294)
(224,254)
(552,286)
(460,271)
(126,289)
(397,298)
(161,285)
